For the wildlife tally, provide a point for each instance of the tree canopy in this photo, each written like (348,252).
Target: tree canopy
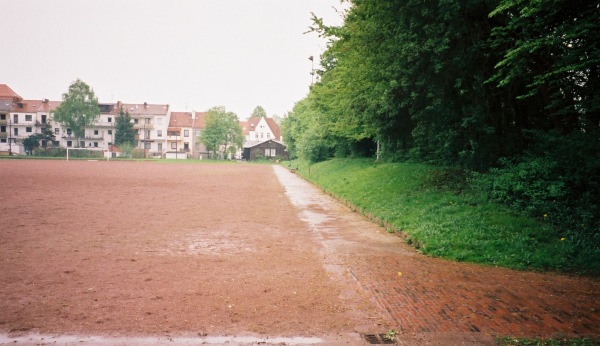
(79,108)
(124,132)
(506,85)
(259,112)
(222,131)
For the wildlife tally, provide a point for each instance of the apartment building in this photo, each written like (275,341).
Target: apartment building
(150,121)
(183,134)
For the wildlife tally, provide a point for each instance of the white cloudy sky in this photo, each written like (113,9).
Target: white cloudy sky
(191,54)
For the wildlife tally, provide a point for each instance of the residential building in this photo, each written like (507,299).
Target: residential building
(257,130)
(183,133)
(7,98)
(150,121)
(262,138)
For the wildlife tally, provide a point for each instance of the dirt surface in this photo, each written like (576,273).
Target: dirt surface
(185,252)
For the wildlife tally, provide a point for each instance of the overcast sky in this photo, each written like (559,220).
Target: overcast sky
(191,54)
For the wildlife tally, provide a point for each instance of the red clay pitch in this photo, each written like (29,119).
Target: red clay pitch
(192,250)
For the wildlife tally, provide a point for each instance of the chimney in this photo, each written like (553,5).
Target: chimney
(145,104)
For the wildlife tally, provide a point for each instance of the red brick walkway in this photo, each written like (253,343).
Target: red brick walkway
(419,294)
(431,295)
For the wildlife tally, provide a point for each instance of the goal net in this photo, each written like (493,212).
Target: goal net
(85,153)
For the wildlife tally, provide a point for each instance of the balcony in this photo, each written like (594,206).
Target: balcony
(94,137)
(143,126)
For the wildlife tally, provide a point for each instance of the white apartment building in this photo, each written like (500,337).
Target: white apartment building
(150,121)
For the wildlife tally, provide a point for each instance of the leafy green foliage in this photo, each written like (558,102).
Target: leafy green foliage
(31,143)
(509,86)
(124,132)
(222,131)
(79,108)
(259,112)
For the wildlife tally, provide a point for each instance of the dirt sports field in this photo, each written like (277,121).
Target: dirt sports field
(96,252)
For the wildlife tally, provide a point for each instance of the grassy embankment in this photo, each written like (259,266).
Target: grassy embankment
(442,217)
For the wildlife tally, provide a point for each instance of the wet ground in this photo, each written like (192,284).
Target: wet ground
(426,296)
(242,254)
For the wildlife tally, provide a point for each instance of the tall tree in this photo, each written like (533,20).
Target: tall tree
(124,132)
(554,47)
(78,110)
(222,133)
(259,112)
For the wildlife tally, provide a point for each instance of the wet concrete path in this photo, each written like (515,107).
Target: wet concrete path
(418,294)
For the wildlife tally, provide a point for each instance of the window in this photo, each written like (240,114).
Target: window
(95,132)
(2,116)
(147,135)
(69,132)
(82,144)
(2,140)
(270,152)
(173,145)
(110,132)
(16,131)
(69,144)
(186,133)
(262,135)
(28,129)
(268,135)
(2,128)
(109,119)
(147,145)
(15,118)
(257,135)
(186,146)
(147,120)
(158,133)
(27,117)
(56,130)
(198,132)
(95,144)
(159,146)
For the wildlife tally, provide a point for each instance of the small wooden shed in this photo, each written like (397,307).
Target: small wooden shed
(269,149)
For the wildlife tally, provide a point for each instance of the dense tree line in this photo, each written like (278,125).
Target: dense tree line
(506,85)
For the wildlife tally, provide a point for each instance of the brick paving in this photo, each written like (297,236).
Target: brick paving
(419,294)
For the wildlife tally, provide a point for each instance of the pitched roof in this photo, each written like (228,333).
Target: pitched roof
(250,125)
(7,93)
(34,106)
(138,109)
(185,119)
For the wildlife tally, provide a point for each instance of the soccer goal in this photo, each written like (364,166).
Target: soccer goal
(86,153)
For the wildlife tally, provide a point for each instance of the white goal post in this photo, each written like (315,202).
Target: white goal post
(90,149)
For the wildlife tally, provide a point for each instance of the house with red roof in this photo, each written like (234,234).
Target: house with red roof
(150,121)
(7,98)
(262,139)
(183,136)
